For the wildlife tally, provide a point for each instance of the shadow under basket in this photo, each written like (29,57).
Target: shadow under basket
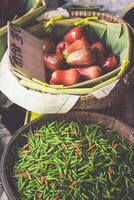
(90,102)
(10,155)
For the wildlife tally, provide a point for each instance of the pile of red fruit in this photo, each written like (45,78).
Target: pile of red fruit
(74,59)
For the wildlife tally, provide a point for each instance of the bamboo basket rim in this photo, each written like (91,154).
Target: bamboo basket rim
(101,15)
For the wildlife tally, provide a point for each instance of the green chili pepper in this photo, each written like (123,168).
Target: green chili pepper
(71,160)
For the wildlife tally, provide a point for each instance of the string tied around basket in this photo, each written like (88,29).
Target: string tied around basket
(52,21)
(125,63)
(85,20)
(46,86)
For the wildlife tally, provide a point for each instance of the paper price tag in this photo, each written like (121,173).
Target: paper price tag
(25,52)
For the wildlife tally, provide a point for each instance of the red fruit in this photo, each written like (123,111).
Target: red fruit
(53,61)
(99,51)
(110,63)
(79,54)
(91,72)
(99,57)
(48,45)
(90,148)
(73,35)
(99,45)
(61,47)
(77,45)
(65,77)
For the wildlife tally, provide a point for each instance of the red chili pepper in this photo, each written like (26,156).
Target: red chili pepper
(77,133)
(110,171)
(25,147)
(77,152)
(43,180)
(56,198)
(89,149)
(75,144)
(23,175)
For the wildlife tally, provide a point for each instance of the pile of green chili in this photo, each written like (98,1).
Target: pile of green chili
(68,160)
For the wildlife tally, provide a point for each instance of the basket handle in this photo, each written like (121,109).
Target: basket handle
(100,15)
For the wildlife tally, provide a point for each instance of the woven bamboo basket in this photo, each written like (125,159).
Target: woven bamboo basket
(10,153)
(90,102)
